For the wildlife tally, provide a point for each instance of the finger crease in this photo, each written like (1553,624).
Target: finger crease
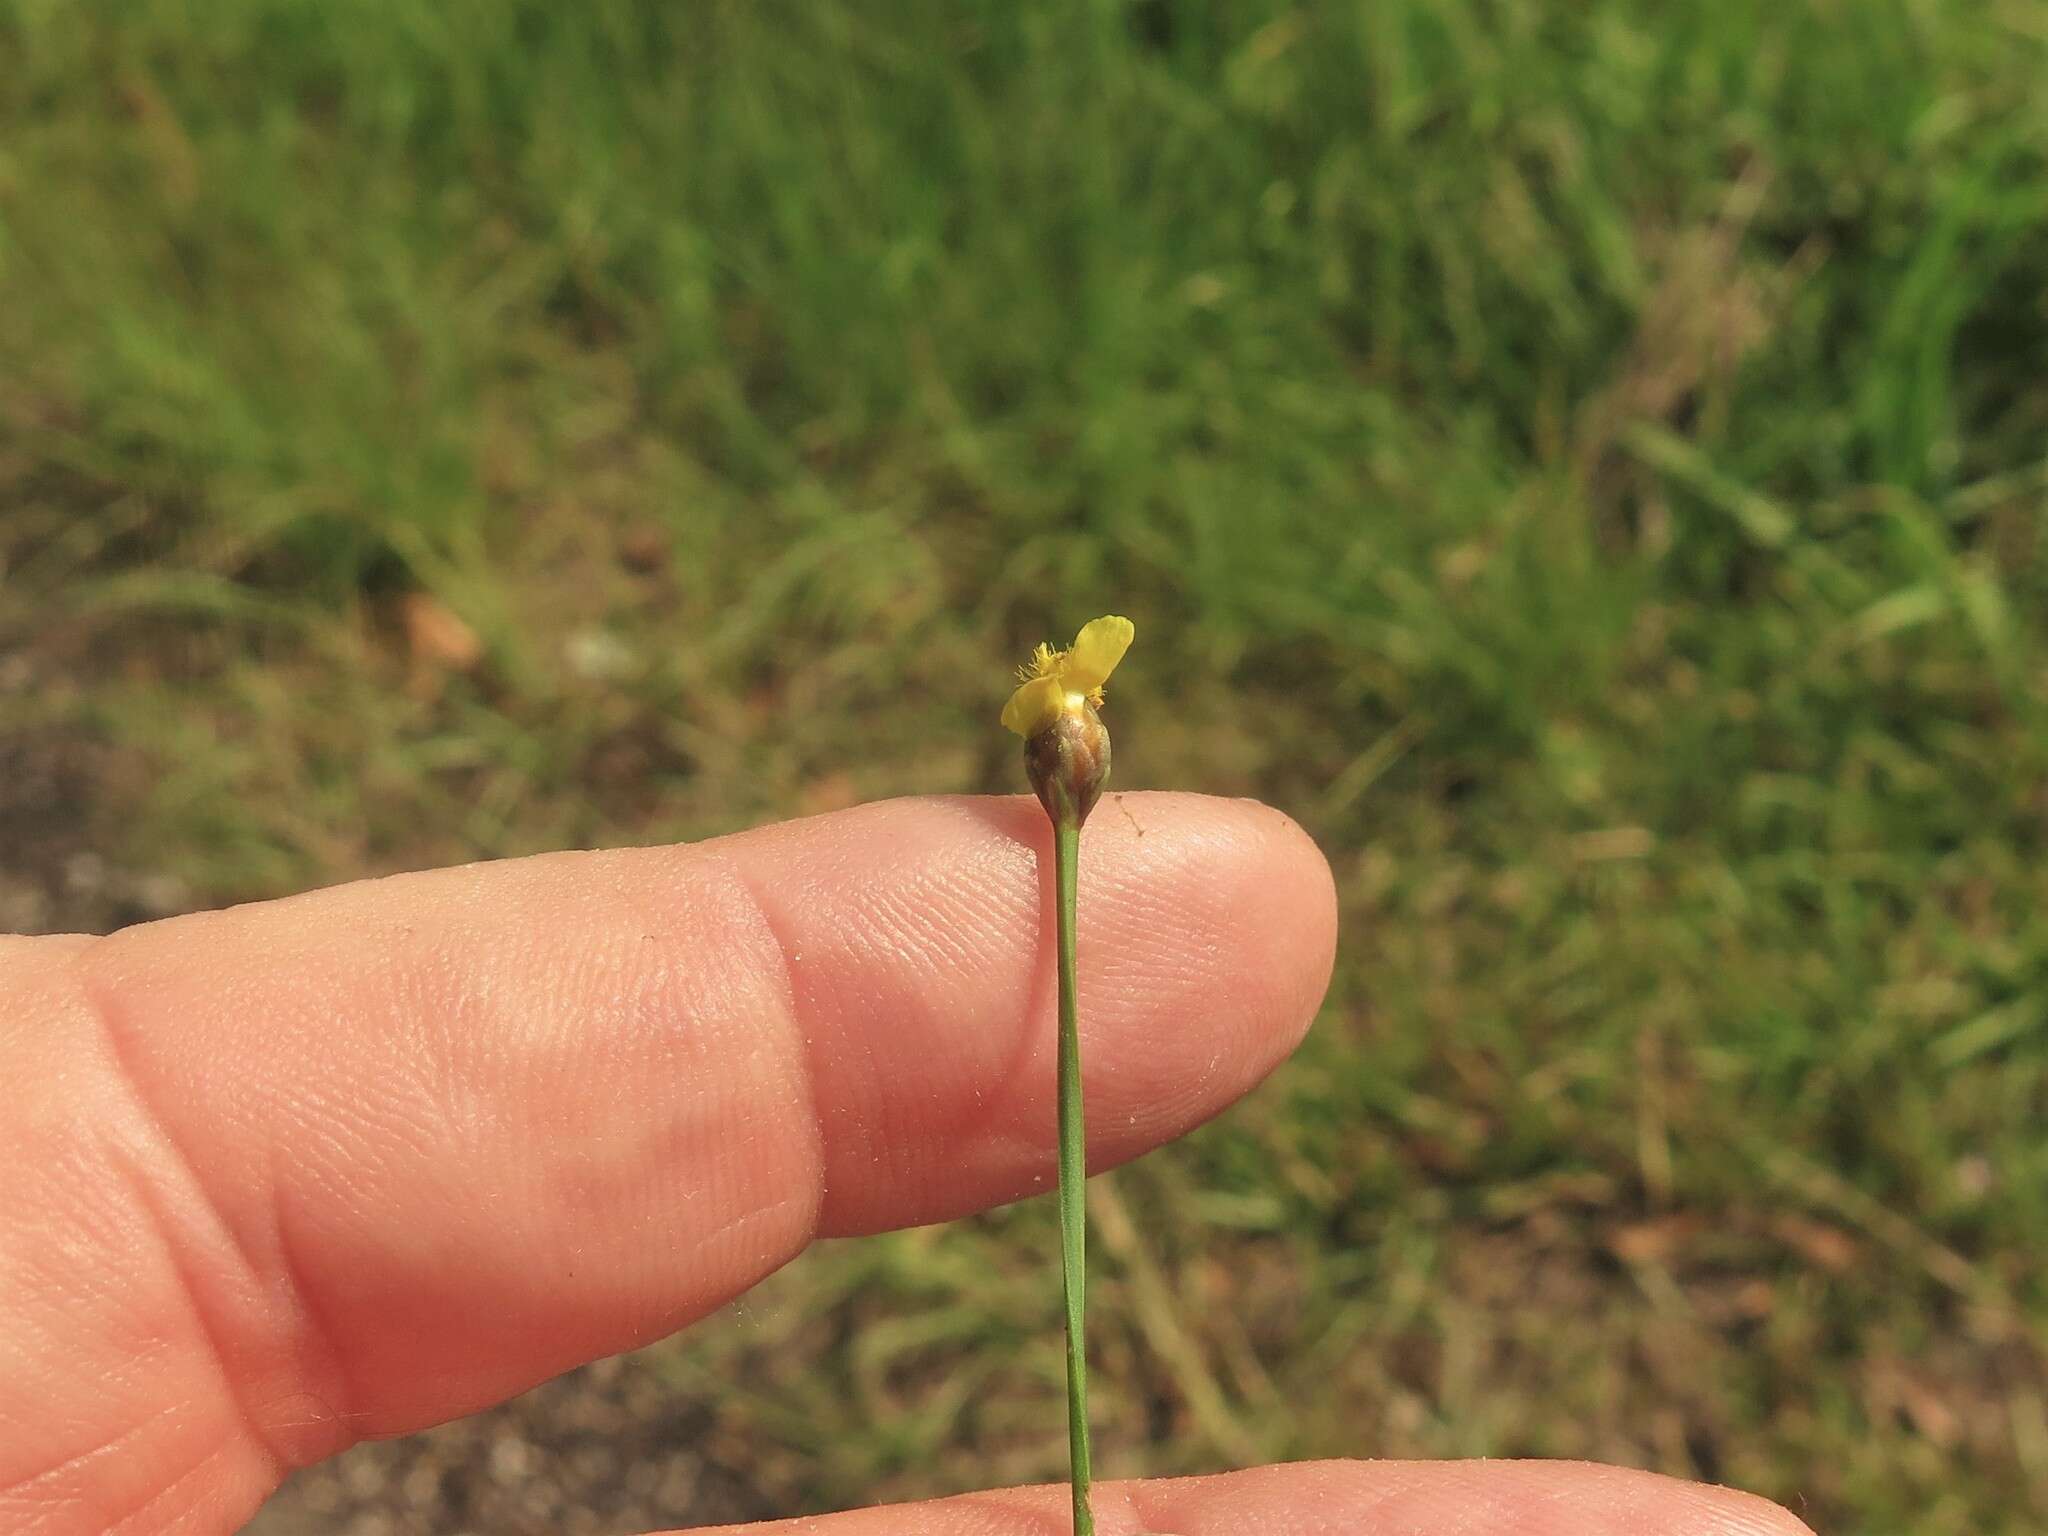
(107,1018)
(804,1053)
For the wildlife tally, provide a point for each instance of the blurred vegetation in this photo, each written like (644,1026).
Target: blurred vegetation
(1584,461)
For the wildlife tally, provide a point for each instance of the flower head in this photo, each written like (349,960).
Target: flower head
(1066,749)
(1056,683)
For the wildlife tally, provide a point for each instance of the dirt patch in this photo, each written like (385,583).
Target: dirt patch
(613,1447)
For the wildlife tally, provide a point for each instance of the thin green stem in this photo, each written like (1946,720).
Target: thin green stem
(1066,844)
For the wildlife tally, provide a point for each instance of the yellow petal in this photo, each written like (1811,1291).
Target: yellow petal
(1097,649)
(1034,706)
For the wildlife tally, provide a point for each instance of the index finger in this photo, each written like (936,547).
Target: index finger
(367,1159)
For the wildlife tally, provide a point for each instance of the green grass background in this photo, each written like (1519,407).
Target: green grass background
(1585,461)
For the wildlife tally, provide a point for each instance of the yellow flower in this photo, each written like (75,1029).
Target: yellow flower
(1062,682)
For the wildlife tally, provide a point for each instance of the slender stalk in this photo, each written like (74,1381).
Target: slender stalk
(1066,843)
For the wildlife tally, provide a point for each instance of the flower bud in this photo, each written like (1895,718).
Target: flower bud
(1068,762)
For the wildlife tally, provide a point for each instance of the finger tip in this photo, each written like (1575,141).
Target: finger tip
(1484,1498)
(1290,882)
(1212,953)
(919,936)
(1249,891)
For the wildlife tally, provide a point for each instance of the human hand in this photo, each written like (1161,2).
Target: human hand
(343,1166)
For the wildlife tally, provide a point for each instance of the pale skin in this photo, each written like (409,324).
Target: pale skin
(300,1174)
